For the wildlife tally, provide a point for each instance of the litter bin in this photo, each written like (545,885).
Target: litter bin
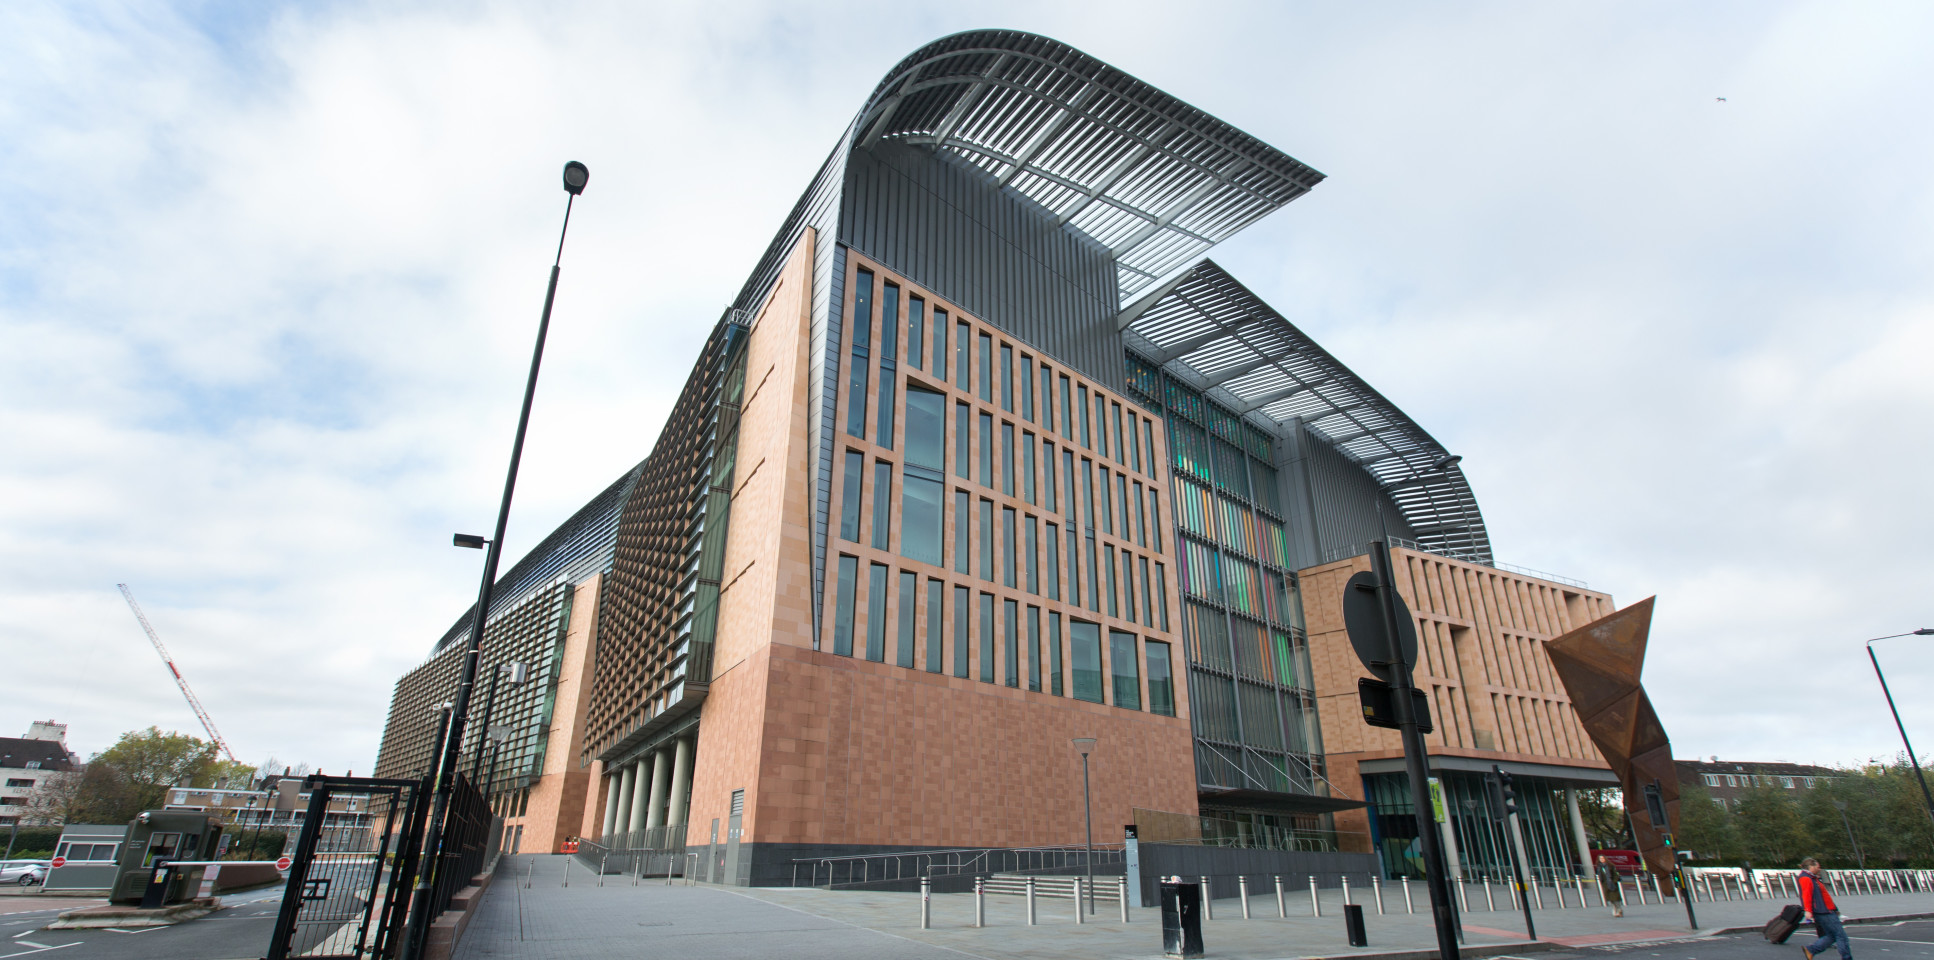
(1353,924)
(1181,918)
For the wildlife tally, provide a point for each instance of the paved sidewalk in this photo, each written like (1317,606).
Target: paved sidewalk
(548,921)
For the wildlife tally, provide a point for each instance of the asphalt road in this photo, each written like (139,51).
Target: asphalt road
(1906,940)
(239,931)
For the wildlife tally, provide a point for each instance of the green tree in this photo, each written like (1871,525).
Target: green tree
(1603,811)
(1705,827)
(1771,832)
(148,762)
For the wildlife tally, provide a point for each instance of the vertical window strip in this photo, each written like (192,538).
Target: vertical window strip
(1087,419)
(1161,595)
(1125,666)
(1074,566)
(1034,648)
(936,626)
(1088,484)
(963,355)
(908,612)
(1148,431)
(1127,510)
(1052,540)
(849,574)
(1121,455)
(1067,411)
(1027,391)
(1068,508)
(1148,599)
(1027,466)
(1101,424)
(1010,643)
(962,638)
(1128,586)
(861,326)
(987,638)
(889,402)
(963,527)
(882,504)
(1007,378)
(1007,458)
(986,438)
(1161,680)
(1155,519)
(1135,442)
(1047,397)
(1108,552)
(1141,516)
(1047,477)
(1084,642)
(985,359)
(1030,556)
(889,323)
(916,332)
(876,613)
(1094,575)
(1007,547)
(987,540)
(1054,653)
(850,491)
(940,344)
(1107,504)
(963,440)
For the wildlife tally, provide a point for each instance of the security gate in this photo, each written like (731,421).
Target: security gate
(350,873)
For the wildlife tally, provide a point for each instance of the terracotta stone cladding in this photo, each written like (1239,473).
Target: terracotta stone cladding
(1480,632)
(842,751)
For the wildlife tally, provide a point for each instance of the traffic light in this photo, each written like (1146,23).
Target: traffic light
(1510,792)
(1503,796)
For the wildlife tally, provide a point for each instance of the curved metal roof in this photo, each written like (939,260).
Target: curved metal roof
(1213,331)
(1155,180)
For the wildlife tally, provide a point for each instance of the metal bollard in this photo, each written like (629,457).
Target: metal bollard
(926,903)
(1030,901)
(1658,897)
(1558,889)
(1315,905)
(1242,890)
(527,873)
(1537,894)
(1076,887)
(980,902)
(1346,890)
(1489,899)
(1463,894)
(1121,897)
(1208,902)
(601,870)
(567,870)
(1582,904)
(1409,905)
(1282,906)
(1376,884)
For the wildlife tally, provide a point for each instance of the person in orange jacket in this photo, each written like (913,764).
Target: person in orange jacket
(1817,900)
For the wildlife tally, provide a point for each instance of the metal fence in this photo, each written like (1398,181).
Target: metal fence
(965,862)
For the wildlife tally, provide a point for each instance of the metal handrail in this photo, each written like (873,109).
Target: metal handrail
(957,861)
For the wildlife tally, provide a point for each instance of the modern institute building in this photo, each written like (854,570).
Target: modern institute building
(985,458)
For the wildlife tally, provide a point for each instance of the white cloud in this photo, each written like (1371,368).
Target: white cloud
(267,289)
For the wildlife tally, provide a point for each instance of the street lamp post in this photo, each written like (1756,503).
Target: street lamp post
(1841,805)
(1918,775)
(576,175)
(1087,745)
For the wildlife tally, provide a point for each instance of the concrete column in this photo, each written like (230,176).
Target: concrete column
(629,774)
(681,780)
(640,797)
(1578,829)
(661,783)
(612,787)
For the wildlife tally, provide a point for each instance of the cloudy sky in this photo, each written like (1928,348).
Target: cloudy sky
(268,276)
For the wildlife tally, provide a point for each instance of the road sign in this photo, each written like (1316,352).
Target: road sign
(59,861)
(282,863)
(1380,706)
(1363,618)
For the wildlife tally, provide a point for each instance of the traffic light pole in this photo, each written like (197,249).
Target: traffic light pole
(1416,758)
(1517,872)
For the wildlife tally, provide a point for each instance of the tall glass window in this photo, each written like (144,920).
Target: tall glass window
(962,528)
(922,517)
(1010,643)
(987,653)
(1074,566)
(1007,546)
(1027,388)
(1067,469)
(1126,670)
(1107,503)
(1141,517)
(936,626)
(1101,423)
(1127,510)
(889,366)
(876,614)
(909,603)
(890,322)
(1121,455)
(1155,519)
(1094,575)
(987,540)
(1052,540)
(1148,601)
(1007,378)
(862,327)
(985,359)
(1067,410)
(1047,397)
(850,489)
(916,332)
(1027,466)
(1030,556)
(1034,648)
(1047,477)
(1088,488)
(883,433)
(882,504)
(1128,586)
(1007,458)
(940,344)
(963,354)
(1054,653)
(1134,443)
(962,605)
(1161,595)
(1086,420)
(849,574)
(1148,439)
(963,439)
(986,438)
(1108,552)
(1084,657)
(1161,679)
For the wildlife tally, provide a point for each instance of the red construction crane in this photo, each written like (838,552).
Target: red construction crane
(180,681)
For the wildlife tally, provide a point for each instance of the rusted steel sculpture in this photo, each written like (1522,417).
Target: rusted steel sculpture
(1599,664)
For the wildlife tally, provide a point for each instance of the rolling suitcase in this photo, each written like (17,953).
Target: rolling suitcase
(1782,926)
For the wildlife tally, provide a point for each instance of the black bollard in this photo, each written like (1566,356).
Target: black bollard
(1181,918)
(1353,922)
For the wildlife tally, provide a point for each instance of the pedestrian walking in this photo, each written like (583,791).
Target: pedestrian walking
(1816,898)
(1611,886)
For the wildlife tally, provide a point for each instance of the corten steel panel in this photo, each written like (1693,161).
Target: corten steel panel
(1600,664)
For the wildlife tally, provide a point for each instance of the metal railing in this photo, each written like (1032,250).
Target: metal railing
(833,872)
(1159,826)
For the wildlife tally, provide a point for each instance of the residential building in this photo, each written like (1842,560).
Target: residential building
(1729,780)
(985,457)
(27,763)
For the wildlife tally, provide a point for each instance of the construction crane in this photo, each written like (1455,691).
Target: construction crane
(206,722)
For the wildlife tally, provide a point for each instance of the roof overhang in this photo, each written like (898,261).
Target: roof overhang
(1208,330)
(1156,181)
(1576,776)
(1274,800)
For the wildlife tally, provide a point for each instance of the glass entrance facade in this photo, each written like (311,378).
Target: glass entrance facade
(1481,852)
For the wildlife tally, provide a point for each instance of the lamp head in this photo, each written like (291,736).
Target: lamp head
(576,175)
(1924,632)
(1084,744)
(470,540)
